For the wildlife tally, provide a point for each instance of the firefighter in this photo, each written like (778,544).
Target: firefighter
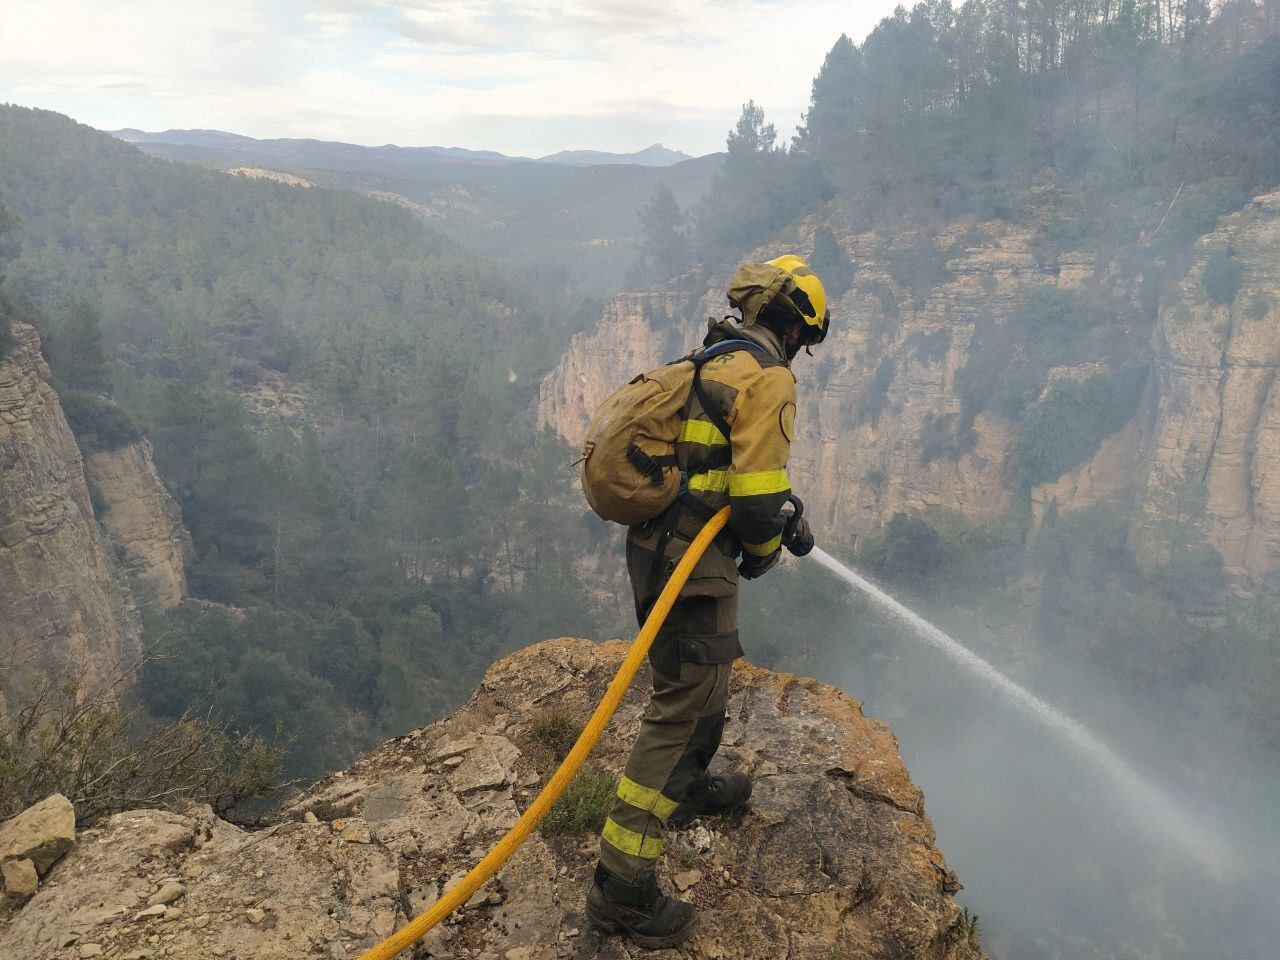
(733,446)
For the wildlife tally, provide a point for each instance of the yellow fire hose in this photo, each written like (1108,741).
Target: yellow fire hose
(416,929)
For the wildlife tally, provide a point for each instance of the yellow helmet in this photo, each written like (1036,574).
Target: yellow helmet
(812,301)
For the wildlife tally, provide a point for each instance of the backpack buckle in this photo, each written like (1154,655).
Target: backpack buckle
(647,464)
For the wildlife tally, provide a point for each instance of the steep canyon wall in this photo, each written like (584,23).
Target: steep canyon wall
(63,601)
(72,583)
(879,396)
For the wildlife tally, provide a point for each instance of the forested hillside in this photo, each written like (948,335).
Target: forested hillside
(367,556)
(564,226)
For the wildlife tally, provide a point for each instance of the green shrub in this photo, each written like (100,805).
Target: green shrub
(884,294)
(971,929)
(936,438)
(1098,603)
(583,806)
(831,263)
(1222,278)
(919,267)
(99,503)
(1048,312)
(92,416)
(106,756)
(1009,362)
(992,380)
(876,393)
(930,347)
(555,731)
(937,548)
(825,370)
(1064,429)
(908,551)
(1246,651)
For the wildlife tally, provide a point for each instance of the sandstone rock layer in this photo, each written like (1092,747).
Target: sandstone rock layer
(143,521)
(835,856)
(63,602)
(1213,440)
(880,393)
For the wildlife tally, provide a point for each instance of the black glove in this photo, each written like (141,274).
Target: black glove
(796,535)
(753,566)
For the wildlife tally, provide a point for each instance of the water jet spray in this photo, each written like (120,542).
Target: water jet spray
(1158,813)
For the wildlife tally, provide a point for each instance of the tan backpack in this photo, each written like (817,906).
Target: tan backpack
(628,467)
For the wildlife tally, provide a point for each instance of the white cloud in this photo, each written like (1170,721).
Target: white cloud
(522,77)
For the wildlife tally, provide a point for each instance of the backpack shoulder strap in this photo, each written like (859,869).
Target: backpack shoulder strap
(699,357)
(668,520)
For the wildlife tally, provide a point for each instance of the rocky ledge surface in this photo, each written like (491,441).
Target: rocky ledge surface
(834,858)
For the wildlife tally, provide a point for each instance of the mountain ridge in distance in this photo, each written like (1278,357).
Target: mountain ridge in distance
(654,155)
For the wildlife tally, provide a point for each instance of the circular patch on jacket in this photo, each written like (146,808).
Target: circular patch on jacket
(787,419)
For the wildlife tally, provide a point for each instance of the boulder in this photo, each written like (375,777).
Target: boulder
(41,833)
(20,878)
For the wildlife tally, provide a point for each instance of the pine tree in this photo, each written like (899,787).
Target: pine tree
(75,350)
(751,136)
(662,222)
(832,120)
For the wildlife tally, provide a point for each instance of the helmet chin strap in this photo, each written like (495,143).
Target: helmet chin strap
(795,337)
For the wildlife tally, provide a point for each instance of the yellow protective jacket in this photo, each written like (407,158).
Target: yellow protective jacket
(755,393)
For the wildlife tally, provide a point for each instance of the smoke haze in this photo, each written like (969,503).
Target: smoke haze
(1057,860)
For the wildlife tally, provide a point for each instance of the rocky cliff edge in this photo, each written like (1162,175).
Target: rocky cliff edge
(835,857)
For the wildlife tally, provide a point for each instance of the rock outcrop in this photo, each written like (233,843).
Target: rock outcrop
(41,833)
(1213,436)
(64,602)
(835,856)
(32,842)
(143,521)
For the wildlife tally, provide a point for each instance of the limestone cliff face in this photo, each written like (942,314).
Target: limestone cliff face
(1204,447)
(870,402)
(869,397)
(633,335)
(63,601)
(834,857)
(143,521)
(1213,435)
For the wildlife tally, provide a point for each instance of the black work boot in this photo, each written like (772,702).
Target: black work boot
(721,793)
(638,911)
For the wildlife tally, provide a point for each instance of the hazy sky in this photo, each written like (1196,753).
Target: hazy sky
(520,77)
